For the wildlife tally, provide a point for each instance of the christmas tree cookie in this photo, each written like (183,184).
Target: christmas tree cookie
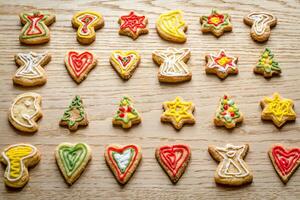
(75,115)
(227,114)
(266,65)
(127,115)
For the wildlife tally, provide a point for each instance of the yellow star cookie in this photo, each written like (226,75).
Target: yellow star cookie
(178,112)
(277,109)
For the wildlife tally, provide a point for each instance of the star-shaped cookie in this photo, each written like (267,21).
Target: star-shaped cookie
(221,64)
(178,112)
(277,109)
(133,25)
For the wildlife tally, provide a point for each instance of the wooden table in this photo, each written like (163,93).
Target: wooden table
(103,89)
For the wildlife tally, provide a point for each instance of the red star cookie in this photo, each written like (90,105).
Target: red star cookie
(133,25)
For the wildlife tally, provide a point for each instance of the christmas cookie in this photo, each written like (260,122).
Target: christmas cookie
(173,159)
(266,65)
(18,158)
(125,63)
(75,115)
(261,23)
(79,64)
(126,115)
(232,169)
(35,29)
(277,109)
(25,111)
(123,160)
(178,112)
(222,64)
(228,113)
(285,161)
(86,23)
(72,159)
(171,26)
(133,25)
(172,65)
(216,23)
(31,72)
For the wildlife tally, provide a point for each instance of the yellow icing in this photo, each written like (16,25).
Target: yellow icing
(179,109)
(134,60)
(279,108)
(224,60)
(90,26)
(172,24)
(215,20)
(15,156)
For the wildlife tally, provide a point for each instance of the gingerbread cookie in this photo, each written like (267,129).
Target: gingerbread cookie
(172,62)
(25,111)
(125,63)
(178,112)
(222,64)
(171,26)
(35,29)
(232,169)
(75,115)
(261,23)
(266,65)
(126,115)
(72,159)
(173,159)
(133,25)
(31,72)
(86,23)
(228,113)
(216,23)
(285,161)
(277,109)
(123,160)
(79,64)
(18,158)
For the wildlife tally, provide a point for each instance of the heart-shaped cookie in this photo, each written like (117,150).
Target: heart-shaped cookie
(174,159)
(125,63)
(123,160)
(79,64)
(72,160)
(285,161)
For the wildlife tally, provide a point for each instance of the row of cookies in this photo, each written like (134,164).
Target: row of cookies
(172,62)
(72,159)
(26,110)
(170,26)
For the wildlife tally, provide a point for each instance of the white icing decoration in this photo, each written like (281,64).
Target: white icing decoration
(221,68)
(173,64)
(27,116)
(261,21)
(123,159)
(232,158)
(85,24)
(31,61)
(132,59)
(34,150)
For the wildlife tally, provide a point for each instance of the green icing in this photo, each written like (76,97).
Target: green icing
(40,24)
(76,105)
(126,111)
(72,157)
(267,64)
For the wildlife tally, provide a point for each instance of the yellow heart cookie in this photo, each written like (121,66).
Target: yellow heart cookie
(125,62)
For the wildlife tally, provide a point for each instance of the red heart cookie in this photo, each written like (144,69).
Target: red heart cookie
(174,159)
(285,161)
(79,64)
(123,160)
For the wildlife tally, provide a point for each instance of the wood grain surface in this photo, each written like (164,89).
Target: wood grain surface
(103,89)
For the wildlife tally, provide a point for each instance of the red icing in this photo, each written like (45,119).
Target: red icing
(124,60)
(286,161)
(216,22)
(79,62)
(173,157)
(86,20)
(34,29)
(110,150)
(133,22)
(222,56)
